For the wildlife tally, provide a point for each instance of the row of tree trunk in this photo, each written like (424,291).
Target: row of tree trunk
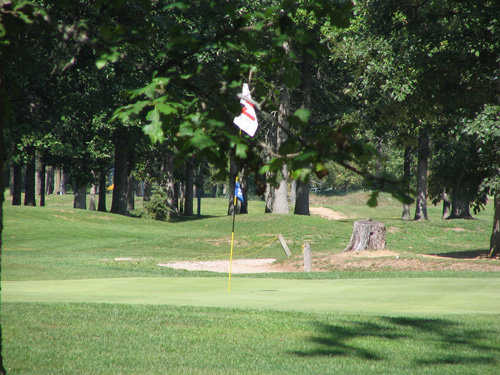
(35,179)
(456,206)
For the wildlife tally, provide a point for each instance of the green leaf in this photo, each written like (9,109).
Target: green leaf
(166,108)
(154,128)
(201,141)
(303,114)
(264,169)
(178,5)
(301,174)
(241,150)
(153,115)
(154,131)
(185,129)
(101,63)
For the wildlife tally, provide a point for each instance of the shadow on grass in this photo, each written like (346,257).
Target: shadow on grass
(446,342)
(174,219)
(470,254)
(180,219)
(334,340)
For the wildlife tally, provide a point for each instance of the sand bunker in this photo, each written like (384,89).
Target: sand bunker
(238,265)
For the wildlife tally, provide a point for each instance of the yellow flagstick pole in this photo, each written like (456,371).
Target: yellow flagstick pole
(232,237)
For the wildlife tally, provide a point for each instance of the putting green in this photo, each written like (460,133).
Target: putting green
(406,295)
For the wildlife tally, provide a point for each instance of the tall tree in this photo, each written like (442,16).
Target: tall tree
(422,170)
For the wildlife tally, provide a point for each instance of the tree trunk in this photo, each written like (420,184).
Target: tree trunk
(2,166)
(131,187)
(10,180)
(101,204)
(119,200)
(300,196)
(280,202)
(80,196)
(139,188)
(198,201)
(422,168)
(175,202)
(269,198)
(49,181)
(40,179)
(93,192)
(169,184)
(64,181)
(188,191)
(302,200)
(17,176)
(495,234)
(146,196)
(406,215)
(57,181)
(182,195)
(367,235)
(446,205)
(293,192)
(29,181)
(460,208)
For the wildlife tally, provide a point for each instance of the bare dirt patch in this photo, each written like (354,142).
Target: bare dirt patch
(375,260)
(389,260)
(327,213)
(349,261)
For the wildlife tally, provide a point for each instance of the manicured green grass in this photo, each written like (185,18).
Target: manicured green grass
(58,242)
(47,339)
(59,266)
(373,296)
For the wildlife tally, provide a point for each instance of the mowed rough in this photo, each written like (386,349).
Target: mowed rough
(388,296)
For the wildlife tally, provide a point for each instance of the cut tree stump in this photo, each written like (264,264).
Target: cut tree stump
(367,235)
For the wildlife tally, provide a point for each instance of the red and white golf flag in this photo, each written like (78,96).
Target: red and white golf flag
(247,121)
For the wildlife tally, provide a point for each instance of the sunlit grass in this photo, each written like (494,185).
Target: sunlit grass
(59,243)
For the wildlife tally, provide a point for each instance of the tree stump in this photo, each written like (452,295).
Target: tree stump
(367,235)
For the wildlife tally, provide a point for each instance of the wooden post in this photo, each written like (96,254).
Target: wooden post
(284,245)
(307,257)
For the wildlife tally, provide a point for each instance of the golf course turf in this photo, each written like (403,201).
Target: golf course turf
(70,306)
(374,296)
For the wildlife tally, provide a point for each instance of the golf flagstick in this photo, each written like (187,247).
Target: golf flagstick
(246,121)
(232,235)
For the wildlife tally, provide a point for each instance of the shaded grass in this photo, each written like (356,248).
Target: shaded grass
(111,339)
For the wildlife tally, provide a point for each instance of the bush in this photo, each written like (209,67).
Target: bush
(157,206)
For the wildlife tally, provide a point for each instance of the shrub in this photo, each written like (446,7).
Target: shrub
(157,206)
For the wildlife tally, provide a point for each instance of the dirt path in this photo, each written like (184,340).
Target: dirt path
(327,213)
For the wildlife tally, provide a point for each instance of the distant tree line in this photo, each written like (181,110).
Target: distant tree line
(392,96)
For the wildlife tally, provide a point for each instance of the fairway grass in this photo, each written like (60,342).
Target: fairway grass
(373,296)
(71,306)
(106,339)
